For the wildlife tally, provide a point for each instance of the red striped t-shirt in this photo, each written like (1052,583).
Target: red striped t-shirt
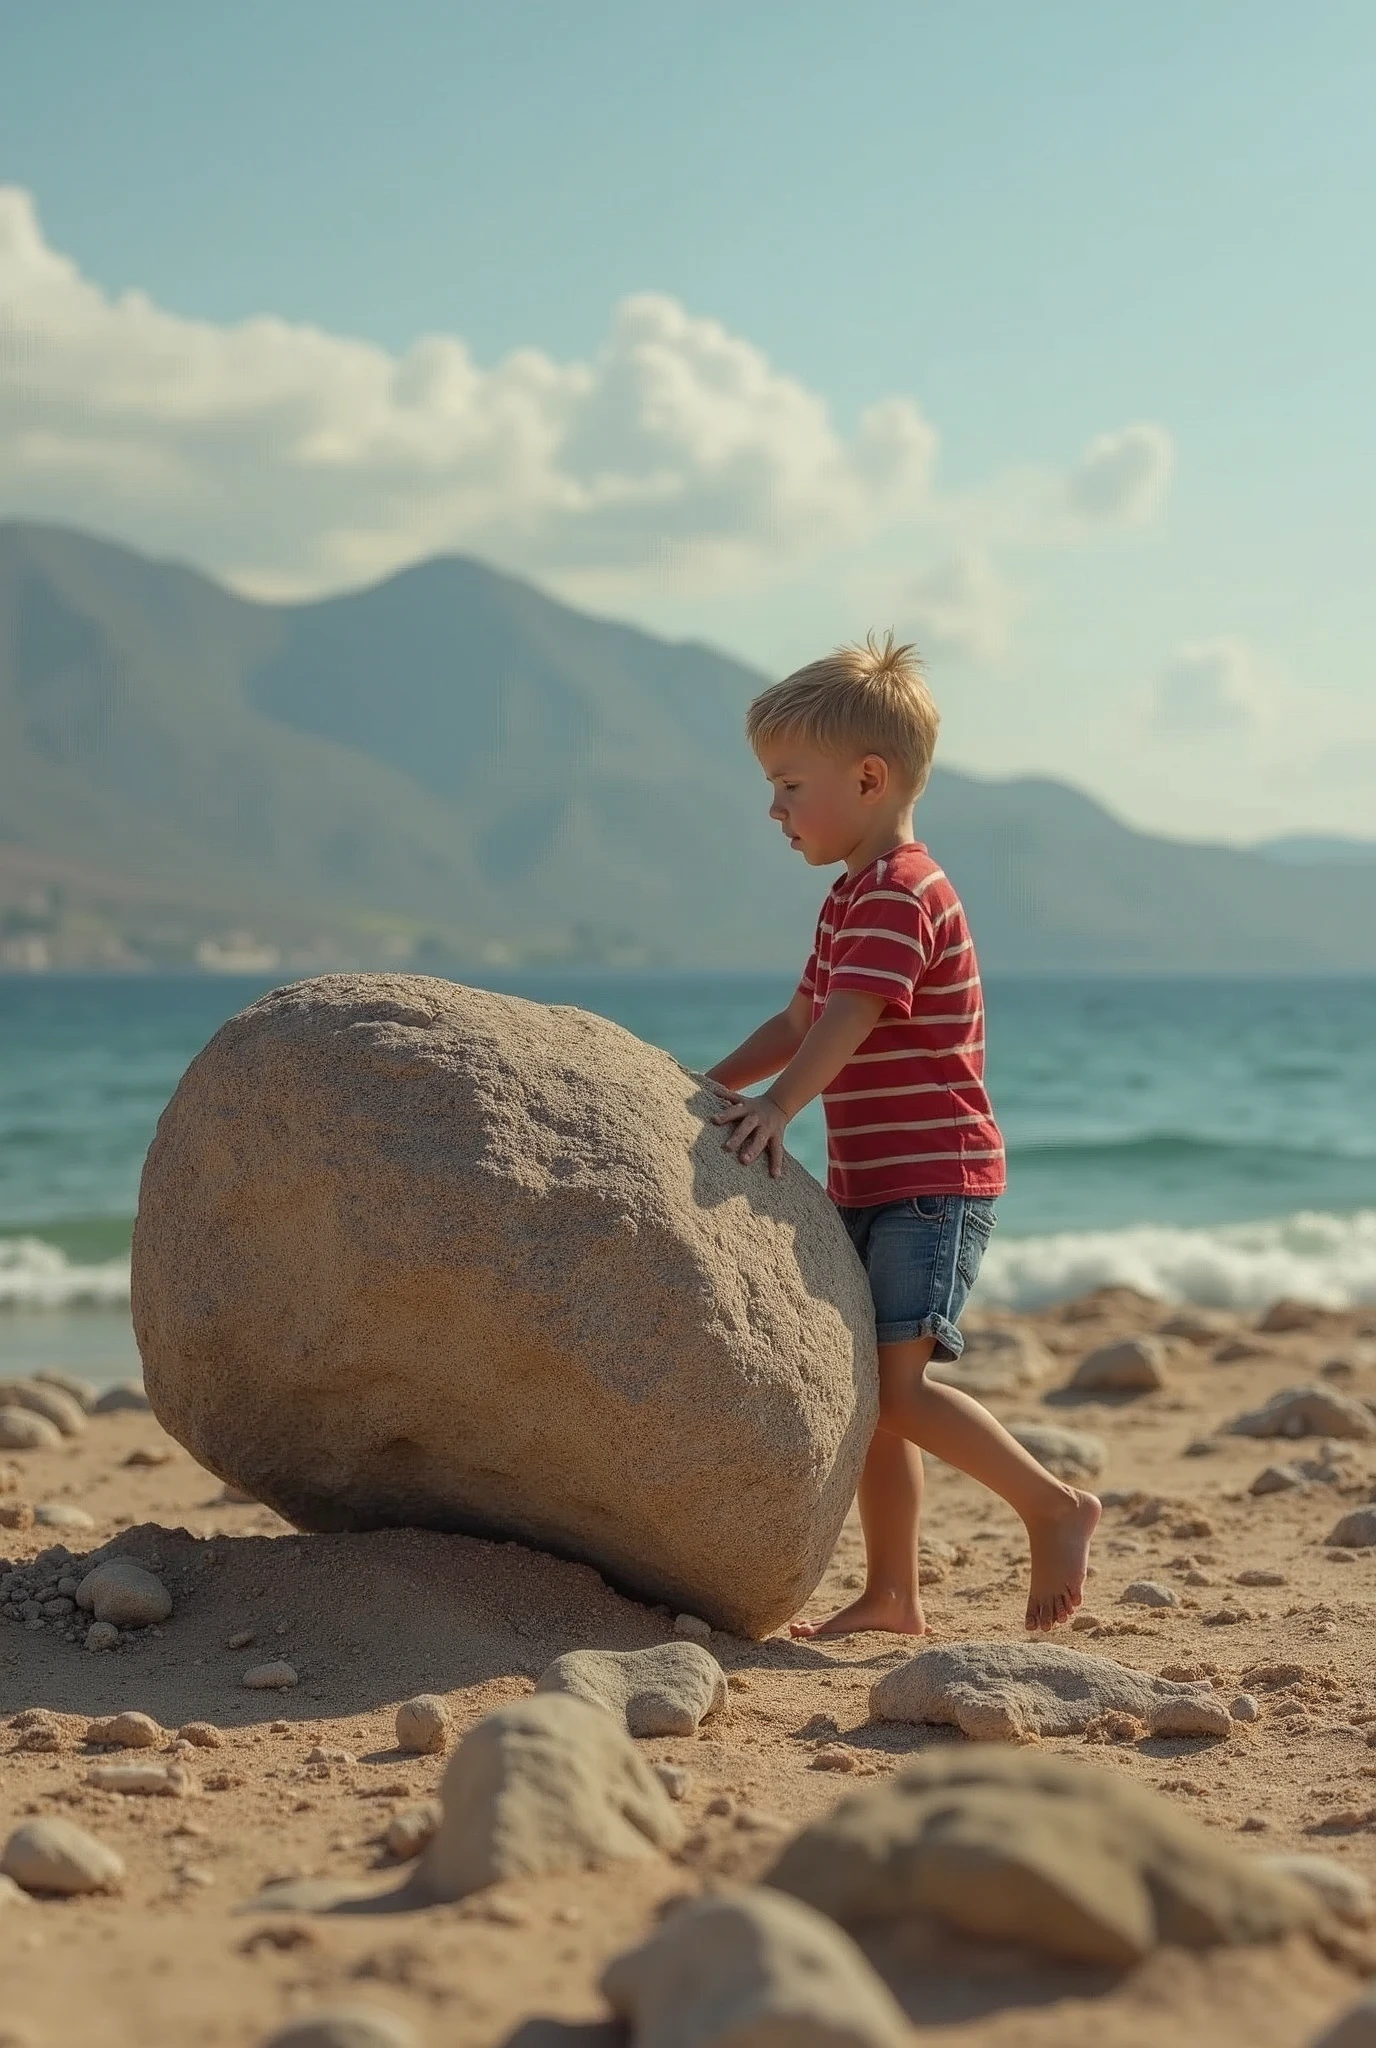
(908,1114)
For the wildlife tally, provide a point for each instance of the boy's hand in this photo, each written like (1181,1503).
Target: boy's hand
(760,1126)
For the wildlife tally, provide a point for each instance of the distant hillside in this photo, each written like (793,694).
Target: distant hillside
(451,766)
(1303,850)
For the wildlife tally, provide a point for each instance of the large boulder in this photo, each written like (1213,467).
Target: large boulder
(412,1253)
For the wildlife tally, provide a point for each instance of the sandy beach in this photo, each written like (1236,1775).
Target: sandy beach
(304,1782)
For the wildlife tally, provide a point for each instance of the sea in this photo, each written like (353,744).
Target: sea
(1205,1140)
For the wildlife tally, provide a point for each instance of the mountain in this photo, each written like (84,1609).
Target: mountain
(452,767)
(1299,849)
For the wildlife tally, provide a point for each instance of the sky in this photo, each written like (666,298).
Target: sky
(1041,334)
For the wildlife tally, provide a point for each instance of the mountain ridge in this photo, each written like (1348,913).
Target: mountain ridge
(450,765)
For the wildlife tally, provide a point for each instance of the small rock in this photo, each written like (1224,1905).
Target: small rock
(1286,1315)
(1136,1365)
(1005,1692)
(547,1783)
(751,1968)
(240,1640)
(325,1753)
(16,1514)
(23,1430)
(1356,1531)
(59,1514)
(1277,1479)
(1246,1707)
(102,1635)
(120,1591)
(424,1724)
(674,1779)
(834,1756)
(125,1731)
(1202,1716)
(1147,1593)
(1235,1349)
(345,2026)
(693,1628)
(160,1780)
(65,1414)
(1344,1891)
(1196,1325)
(1308,1411)
(11,1894)
(275,1677)
(57,1856)
(201,1735)
(81,1391)
(412,1830)
(127,1395)
(150,1454)
(1068,1453)
(1009,1844)
(1260,1575)
(669,1689)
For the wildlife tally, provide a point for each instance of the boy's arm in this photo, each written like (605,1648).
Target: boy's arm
(845,1023)
(766,1050)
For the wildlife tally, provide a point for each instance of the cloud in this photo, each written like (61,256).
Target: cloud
(292,461)
(1211,688)
(962,607)
(1121,478)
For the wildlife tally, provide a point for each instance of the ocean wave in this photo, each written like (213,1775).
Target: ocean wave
(36,1275)
(1139,1148)
(1310,1256)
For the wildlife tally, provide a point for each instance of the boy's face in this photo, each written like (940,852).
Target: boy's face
(824,805)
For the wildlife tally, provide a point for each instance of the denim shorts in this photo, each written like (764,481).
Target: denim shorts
(921,1255)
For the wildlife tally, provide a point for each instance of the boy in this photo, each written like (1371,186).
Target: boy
(888,1025)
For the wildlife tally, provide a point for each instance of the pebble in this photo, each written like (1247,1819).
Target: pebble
(1147,1593)
(412,1829)
(65,1414)
(81,1391)
(160,1780)
(125,1731)
(351,2026)
(22,1430)
(693,1627)
(102,1635)
(423,1724)
(116,1400)
(150,1454)
(1134,1366)
(1276,1479)
(675,1779)
(276,1677)
(240,1640)
(58,1856)
(201,1735)
(59,1514)
(16,1514)
(323,1754)
(121,1591)
(1259,1576)
(1246,1707)
(1356,1531)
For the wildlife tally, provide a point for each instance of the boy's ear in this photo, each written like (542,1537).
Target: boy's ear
(874,777)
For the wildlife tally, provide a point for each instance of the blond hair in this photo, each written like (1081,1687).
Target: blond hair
(865,699)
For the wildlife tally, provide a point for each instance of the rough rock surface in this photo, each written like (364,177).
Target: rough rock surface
(548,1783)
(751,1969)
(1004,1692)
(1069,1453)
(1308,1411)
(120,1591)
(345,2026)
(23,1430)
(424,1724)
(1136,1365)
(413,1253)
(995,1361)
(668,1689)
(1008,1845)
(58,1856)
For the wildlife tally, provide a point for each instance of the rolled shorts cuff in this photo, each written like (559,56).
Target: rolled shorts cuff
(949,1341)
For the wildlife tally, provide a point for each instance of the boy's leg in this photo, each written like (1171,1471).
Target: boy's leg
(890,1498)
(1060,1519)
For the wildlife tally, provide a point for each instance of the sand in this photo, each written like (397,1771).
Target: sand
(1263,1605)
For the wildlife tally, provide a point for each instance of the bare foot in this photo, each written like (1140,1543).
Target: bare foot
(898,1614)
(1060,1553)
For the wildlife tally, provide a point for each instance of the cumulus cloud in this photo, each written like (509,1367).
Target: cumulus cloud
(1211,688)
(292,461)
(1121,478)
(961,606)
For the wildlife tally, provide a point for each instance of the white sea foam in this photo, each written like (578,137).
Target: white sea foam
(36,1275)
(1330,1260)
(1311,1256)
